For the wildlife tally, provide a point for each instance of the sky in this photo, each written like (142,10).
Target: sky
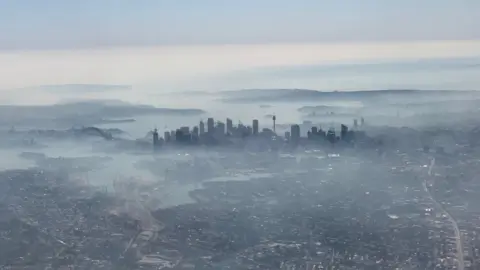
(209,45)
(60,24)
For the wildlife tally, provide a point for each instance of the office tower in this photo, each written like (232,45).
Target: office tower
(249,131)
(210,126)
(295,133)
(220,129)
(202,127)
(178,135)
(195,135)
(166,136)
(229,125)
(355,123)
(185,130)
(240,129)
(362,121)
(343,131)
(331,137)
(195,131)
(156,141)
(255,126)
(321,133)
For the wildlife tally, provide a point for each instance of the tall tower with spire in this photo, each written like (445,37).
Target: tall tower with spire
(156,141)
(274,118)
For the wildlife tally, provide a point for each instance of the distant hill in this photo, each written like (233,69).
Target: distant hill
(94,107)
(305,95)
(319,108)
(190,93)
(109,109)
(82,88)
(84,112)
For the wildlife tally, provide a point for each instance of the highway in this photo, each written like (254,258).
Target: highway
(150,226)
(458,237)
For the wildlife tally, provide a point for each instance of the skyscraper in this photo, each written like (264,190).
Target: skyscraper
(202,127)
(220,129)
(210,125)
(255,126)
(331,137)
(195,131)
(295,133)
(195,135)
(166,136)
(229,125)
(343,131)
(185,130)
(249,131)
(156,141)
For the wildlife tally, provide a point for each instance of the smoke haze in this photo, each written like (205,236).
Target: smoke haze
(85,176)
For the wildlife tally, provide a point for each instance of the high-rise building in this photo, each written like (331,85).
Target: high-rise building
(185,130)
(195,135)
(241,129)
(229,125)
(321,133)
(178,135)
(255,126)
(210,125)
(362,121)
(166,136)
(343,131)
(156,141)
(355,123)
(202,127)
(220,129)
(331,137)
(195,131)
(314,130)
(287,135)
(295,133)
(249,131)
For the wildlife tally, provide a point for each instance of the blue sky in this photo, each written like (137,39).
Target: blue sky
(54,24)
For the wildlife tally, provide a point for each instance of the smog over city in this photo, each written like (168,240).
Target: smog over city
(234,143)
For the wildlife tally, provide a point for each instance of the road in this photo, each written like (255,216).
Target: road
(458,237)
(150,226)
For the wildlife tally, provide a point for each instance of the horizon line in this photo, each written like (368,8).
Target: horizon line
(227,44)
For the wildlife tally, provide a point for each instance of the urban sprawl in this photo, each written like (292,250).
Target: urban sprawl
(407,203)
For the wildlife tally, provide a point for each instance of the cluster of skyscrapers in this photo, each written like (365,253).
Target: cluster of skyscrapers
(212,133)
(217,133)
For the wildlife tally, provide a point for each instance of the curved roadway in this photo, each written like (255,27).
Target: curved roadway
(458,237)
(149,224)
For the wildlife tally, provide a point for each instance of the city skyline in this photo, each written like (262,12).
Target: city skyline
(218,133)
